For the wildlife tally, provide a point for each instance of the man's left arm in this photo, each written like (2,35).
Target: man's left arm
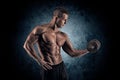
(69,49)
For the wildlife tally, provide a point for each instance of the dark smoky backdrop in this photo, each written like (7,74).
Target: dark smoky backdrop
(87,20)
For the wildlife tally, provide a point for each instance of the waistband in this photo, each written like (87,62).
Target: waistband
(58,64)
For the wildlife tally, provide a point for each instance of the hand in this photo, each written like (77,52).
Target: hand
(44,64)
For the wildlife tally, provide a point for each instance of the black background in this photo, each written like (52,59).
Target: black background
(12,12)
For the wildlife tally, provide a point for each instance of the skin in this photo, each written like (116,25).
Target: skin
(50,40)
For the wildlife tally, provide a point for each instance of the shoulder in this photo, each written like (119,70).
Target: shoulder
(64,34)
(39,29)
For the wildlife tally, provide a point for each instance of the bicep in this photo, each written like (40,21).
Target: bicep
(33,36)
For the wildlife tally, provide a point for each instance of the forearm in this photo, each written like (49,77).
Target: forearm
(32,53)
(76,53)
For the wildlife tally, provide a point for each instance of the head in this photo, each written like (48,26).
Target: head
(61,16)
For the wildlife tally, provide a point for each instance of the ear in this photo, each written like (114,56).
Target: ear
(56,18)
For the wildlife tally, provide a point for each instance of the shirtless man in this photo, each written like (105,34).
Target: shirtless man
(50,40)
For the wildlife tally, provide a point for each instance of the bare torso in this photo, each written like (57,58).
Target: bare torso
(50,43)
(50,40)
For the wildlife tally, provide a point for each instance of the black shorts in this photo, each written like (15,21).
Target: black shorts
(58,72)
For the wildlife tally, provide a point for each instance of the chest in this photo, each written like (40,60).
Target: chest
(54,38)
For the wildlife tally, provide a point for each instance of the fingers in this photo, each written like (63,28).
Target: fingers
(49,63)
(86,51)
(47,66)
(44,68)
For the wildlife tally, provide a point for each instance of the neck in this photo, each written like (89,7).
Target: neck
(55,28)
(53,25)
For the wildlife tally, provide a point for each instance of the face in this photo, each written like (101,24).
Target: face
(62,20)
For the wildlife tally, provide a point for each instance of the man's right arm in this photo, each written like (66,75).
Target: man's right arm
(29,47)
(29,44)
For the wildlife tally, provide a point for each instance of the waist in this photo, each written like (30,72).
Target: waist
(54,60)
(57,65)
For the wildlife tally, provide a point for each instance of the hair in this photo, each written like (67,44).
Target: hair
(59,11)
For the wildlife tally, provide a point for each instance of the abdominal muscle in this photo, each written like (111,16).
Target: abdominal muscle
(51,53)
(53,59)
(50,48)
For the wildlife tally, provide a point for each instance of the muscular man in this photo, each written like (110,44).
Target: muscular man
(50,40)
